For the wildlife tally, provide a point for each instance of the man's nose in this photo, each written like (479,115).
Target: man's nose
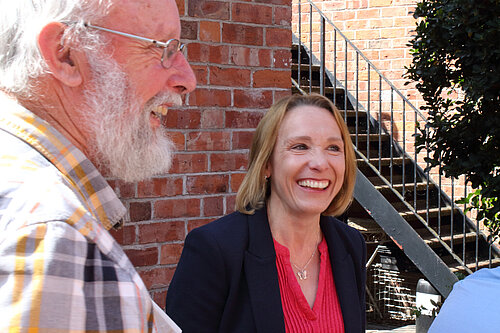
(182,79)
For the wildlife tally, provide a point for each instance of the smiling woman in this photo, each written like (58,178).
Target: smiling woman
(281,263)
(254,189)
(307,165)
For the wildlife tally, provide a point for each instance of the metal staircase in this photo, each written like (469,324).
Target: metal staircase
(397,203)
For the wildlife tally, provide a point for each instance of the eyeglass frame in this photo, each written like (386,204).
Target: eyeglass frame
(180,47)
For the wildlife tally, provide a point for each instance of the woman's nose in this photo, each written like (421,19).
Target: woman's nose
(318,161)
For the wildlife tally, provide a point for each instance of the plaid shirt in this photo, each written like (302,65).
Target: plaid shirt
(60,269)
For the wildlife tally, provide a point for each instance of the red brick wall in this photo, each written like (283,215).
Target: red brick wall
(240,52)
(379,28)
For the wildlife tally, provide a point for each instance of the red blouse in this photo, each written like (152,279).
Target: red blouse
(326,315)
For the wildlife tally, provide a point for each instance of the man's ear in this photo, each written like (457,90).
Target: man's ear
(57,54)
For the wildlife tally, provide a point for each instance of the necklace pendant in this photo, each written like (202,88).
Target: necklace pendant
(302,275)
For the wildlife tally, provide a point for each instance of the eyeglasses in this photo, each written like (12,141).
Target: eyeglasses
(170,48)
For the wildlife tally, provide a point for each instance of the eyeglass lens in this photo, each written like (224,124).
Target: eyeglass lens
(172,47)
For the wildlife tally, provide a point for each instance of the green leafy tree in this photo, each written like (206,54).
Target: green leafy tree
(456,64)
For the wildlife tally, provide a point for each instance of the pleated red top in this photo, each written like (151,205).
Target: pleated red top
(326,315)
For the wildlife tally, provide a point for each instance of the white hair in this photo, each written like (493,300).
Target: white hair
(121,138)
(20,23)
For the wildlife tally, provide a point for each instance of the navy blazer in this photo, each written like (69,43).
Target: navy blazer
(227,280)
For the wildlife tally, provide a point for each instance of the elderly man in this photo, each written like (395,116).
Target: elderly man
(83,86)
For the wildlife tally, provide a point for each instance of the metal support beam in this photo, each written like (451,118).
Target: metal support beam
(407,239)
(322,58)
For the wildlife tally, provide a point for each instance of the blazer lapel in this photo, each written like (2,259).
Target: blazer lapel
(344,276)
(262,275)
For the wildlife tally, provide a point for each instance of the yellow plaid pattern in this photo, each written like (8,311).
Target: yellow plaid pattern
(60,269)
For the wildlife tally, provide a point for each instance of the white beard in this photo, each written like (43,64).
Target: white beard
(121,138)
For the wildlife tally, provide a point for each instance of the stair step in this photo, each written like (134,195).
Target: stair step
(401,207)
(469,237)
(445,230)
(352,114)
(295,48)
(408,187)
(317,89)
(305,67)
(433,212)
(363,224)
(372,137)
(472,266)
(385,161)
(309,78)
(410,216)
(377,180)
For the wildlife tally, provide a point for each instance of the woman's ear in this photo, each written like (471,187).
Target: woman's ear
(267,170)
(57,55)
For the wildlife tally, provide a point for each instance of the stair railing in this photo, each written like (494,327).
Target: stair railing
(343,59)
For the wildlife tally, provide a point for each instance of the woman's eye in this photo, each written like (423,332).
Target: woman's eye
(334,148)
(300,146)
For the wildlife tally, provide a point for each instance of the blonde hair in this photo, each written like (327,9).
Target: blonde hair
(254,189)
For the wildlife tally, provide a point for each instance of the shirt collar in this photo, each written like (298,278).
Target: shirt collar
(99,197)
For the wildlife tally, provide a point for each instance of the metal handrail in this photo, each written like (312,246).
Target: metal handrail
(374,126)
(358,51)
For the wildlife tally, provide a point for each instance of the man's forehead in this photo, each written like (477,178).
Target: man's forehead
(157,19)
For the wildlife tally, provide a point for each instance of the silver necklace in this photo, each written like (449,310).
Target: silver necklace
(302,272)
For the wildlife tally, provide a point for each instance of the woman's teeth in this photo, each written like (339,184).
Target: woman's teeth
(314,184)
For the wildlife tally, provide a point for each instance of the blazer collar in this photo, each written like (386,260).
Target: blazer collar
(260,240)
(344,276)
(262,275)
(336,245)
